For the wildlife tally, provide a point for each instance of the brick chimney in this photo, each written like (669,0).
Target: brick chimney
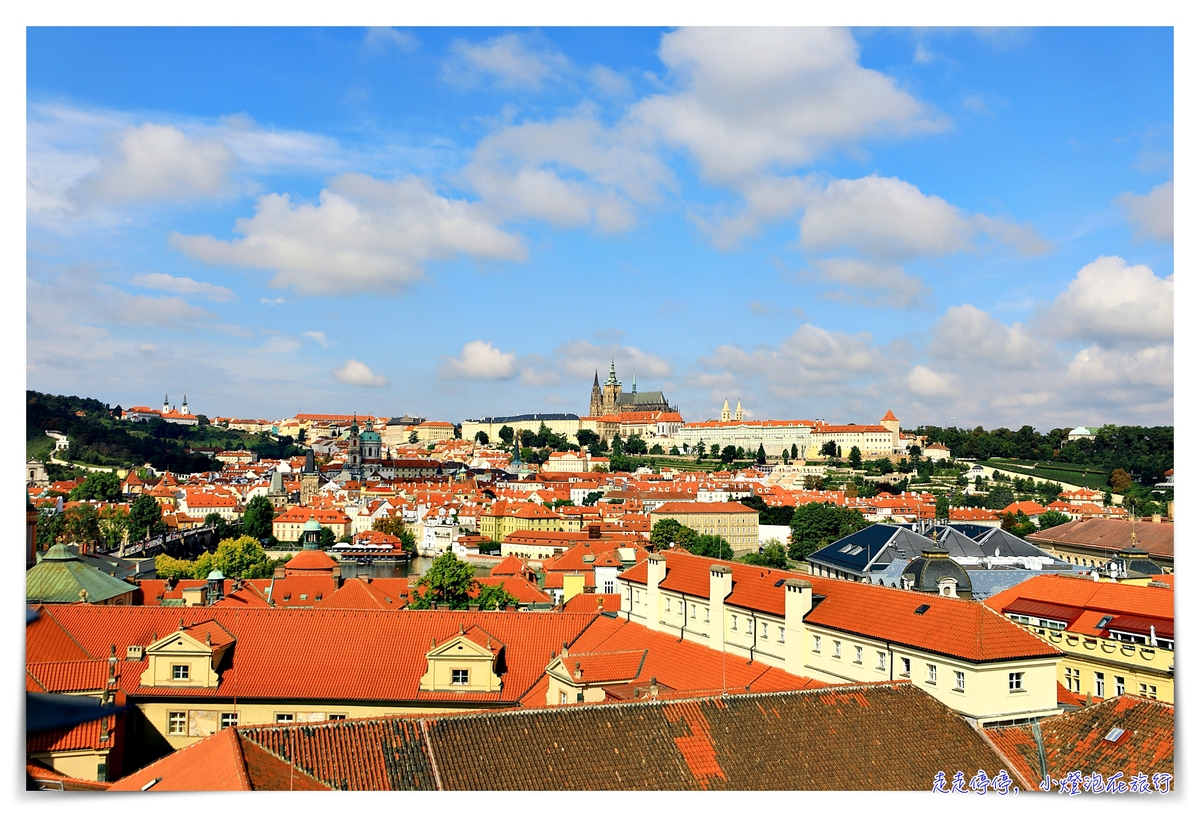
(720,585)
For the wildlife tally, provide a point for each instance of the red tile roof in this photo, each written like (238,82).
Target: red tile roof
(68,676)
(592,602)
(357,594)
(519,588)
(1081,603)
(311,560)
(702,507)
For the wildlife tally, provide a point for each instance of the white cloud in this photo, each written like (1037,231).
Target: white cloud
(571,171)
(511,61)
(754,99)
(159,162)
(364,232)
(480,360)
(883,218)
(319,337)
(1152,214)
(970,337)
(929,384)
(889,283)
(380,37)
(1112,303)
(765,199)
(183,286)
(1023,238)
(608,81)
(356,373)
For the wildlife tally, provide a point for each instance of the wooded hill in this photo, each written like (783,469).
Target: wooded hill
(98,437)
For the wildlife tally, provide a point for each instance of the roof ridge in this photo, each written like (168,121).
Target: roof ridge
(42,610)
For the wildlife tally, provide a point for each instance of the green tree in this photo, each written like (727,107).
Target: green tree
(81,525)
(49,526)
(618,445)
(447,581)
(114,525)
(258,517)
(817,524)
(587,437)
(1120,481)
(240,558)
(812,482)
(326,538)
(413,439)
(145,518)
(1000,497)
(1018,524)
(1050,519)
(728,453)
(506,435)
(102,486)
(914,451)
(636,445)
(592,497)
(219,525)
(493,597)
(168,567)
(394,526)
(942,507)
(481,437)
(829,449)
(855,457)
(712,546)
(714,451)
(674,452)
(658,449)
(773,555)
(795,451)
(668,533)
(761,456)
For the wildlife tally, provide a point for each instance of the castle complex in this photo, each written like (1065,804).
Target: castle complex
(609,399)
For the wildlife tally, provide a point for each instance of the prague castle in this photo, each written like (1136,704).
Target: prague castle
(609,399)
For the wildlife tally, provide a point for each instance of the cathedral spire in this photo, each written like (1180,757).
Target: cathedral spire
(596,378)
(635,381)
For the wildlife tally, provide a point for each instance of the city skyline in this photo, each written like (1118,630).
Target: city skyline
(964,227)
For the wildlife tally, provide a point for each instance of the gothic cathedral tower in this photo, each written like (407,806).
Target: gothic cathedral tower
(597,405)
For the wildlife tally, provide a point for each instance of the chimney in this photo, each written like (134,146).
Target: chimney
(798,601)
(654,687)
(578,672)
(720,585)
(656,571)
(593,531)
(1156,519)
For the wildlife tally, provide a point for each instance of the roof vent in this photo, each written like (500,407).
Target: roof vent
(920,611)
(780,582)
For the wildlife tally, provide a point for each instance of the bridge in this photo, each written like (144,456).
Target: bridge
(188,544)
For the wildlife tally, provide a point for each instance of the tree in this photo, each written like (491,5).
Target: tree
(658,449)
(761,456)
(81,524)
(942,508)
(714,451)
(326,538)
(592,497)
(1120,481)
(1000,497)
(587,437)
(669,533)
(114,525)
(506,435)
(795,451)
(712,546)
(674,452)
(447,581)
(493,597)
(102,486)
(241,558)
(855,457)
(1018,524)
(914,451)
(728,453)
(817,524)
(528,438)
(168,567)
(774,555)
(219,525)
(812,482)
(145,518)
(1050,519)
(49,526)
(829,449)
(636,445)
(481,437)
(258,517)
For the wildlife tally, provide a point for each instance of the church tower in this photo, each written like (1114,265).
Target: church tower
(596,408)
(166,404)
(725,411)
(310,480)
(184,409)
(354,452)
(892,424)
(737,414)
(612,389)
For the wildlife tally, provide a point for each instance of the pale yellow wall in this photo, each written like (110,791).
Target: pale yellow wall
(1136,663)
(739,529)
(572,586)
(181,650)
(84,765)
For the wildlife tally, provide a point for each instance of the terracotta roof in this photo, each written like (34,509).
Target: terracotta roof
(357,594)
(46,640)
(41,773)
(223,762)
(889,737)
(1111,535)
(593,602)
(703,507)
(1082,603)
(314,560)
(510,566)
(519,588)
(68,676)
(1076,741)
(268,661)
(948,626)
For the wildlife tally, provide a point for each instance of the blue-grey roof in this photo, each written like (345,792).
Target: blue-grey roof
(984,583)
(521,418)
(865,549)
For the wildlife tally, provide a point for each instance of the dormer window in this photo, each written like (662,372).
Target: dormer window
(460,677)
(180,672)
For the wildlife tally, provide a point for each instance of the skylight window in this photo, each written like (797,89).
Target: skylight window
(920,611)
(1114,734)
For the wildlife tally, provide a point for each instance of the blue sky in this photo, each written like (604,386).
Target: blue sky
(968,227)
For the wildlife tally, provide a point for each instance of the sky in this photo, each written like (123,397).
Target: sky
(967,227)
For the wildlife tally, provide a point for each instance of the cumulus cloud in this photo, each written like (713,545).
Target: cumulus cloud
(1111,303)
(929,384)
(357,373)
(1153,214)
(364,232)
(183,286)
(764,199)
(968,336)
(153,162)
(319,337)
(875,284)
(753,99)
(511,61)
(571,171)
(480,360)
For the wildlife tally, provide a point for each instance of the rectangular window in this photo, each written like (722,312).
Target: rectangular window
(341,716)
(931,674)
(1099,684)
(960,681)
(764,629)
(693,612)
(858,655)
(882,656)
(837,649)
(229,719)
(905,668)
(1118,685)
(780,635)
(705,615)
(176,723)
(284,717)
(179,672)
(816,643)
(562,697)
(1072,684)
(460,677)
(608,586)
(637,596)
(1016,681)
(733,620)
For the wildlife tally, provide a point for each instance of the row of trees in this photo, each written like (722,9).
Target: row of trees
(669,533)
(240,558)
